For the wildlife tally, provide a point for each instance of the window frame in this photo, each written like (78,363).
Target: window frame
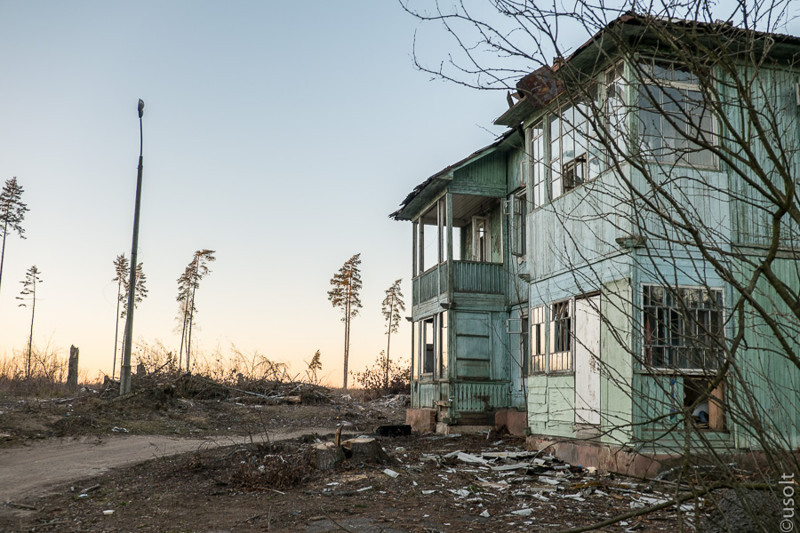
(517,216)
(658,77)
(672,330)
(486,248)
(560,359)
(538,340)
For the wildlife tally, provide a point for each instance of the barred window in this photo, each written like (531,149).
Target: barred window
(682,327)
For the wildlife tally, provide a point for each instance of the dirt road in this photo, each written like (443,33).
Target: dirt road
(32,470)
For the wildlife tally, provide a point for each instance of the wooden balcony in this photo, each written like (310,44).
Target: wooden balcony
(468,277)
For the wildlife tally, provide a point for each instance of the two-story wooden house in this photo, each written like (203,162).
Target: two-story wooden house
(629,250)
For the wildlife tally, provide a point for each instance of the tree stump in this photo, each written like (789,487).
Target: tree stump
(72,369)
(327,455)
(364,450)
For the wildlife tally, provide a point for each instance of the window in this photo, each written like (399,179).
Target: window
(518,212)
(561,337)
(682,327)
(574,150)
(574,173)
(615,108)
(672,114)
(432,348)
(481,239)
(537,340)
(443,344)
(539,181)
(428,354)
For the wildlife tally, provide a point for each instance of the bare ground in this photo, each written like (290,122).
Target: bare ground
(237,464)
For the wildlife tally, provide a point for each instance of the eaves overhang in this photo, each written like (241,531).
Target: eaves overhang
(429,189)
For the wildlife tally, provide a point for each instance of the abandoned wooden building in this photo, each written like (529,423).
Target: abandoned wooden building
(610,272)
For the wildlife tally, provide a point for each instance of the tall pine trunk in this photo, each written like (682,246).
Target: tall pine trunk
(388,345)
(30,337)
(3,253)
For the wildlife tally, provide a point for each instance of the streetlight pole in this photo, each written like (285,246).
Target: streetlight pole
(125,373)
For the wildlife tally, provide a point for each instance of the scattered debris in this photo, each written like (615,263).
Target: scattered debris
(393,430)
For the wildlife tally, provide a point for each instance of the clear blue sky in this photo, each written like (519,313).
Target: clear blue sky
(280,134)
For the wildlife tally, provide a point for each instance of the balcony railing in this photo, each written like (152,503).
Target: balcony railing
(468,276)
(480,397)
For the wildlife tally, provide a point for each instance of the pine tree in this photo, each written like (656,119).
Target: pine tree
(121,269)
(28,293)
(121,277)
(391,307)
(188,283)
(12,213)
(314,367)
(344,296)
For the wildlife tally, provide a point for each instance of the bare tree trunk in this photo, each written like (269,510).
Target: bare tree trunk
(72,369)
(3,252)
(30,336)
(116,333)
(189,335)
(346,343)
(183,336)
(388,345)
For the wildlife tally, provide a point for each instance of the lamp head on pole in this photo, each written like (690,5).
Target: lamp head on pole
(141,107)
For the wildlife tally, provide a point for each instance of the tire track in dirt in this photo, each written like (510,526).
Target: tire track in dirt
(30,471)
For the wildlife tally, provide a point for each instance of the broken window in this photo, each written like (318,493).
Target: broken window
(682,327)
(537,341)
(706,406)
(574,150)
(561,337)
(674,119)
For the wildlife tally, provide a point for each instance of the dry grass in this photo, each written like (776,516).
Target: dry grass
(47,377)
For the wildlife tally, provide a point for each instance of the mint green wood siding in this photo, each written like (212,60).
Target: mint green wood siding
(773,376)
(773,93)
(579,227)
(484,177)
